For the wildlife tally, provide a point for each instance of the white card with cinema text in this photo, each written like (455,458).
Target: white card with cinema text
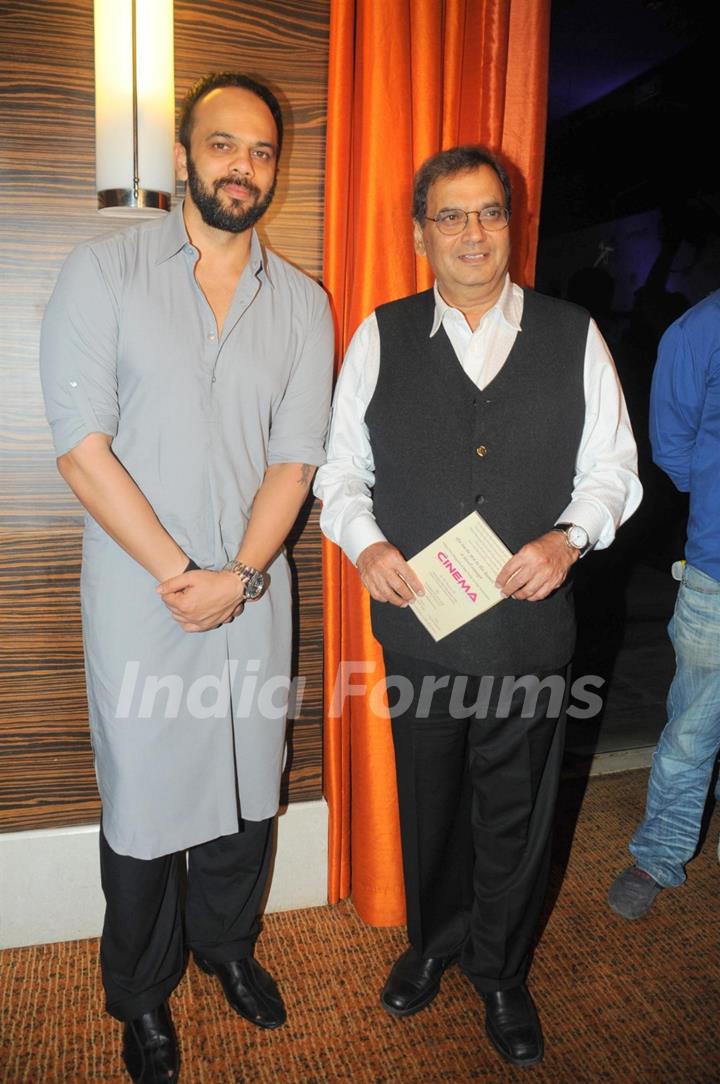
(458,571)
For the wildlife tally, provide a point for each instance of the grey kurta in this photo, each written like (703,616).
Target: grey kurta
(188,729)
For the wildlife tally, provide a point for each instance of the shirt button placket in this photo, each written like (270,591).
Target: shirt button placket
(213,352)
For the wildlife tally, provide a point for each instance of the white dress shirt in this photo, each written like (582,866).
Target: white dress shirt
(606,488)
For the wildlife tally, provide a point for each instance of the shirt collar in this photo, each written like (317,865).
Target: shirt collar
(174,238)
(508,307)
(173,235)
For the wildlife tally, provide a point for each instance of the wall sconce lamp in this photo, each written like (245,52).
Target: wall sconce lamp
(134,106)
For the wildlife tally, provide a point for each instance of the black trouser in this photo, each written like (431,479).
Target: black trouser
(142,952)
(477,798)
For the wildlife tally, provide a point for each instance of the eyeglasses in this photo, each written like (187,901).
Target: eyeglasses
(454,220)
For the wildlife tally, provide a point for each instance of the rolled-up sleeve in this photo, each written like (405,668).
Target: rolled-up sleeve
(78,353)
(299,425)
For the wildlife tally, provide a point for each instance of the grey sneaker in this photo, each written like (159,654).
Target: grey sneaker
(633,893)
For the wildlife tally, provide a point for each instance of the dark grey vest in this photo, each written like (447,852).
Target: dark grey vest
(442,448)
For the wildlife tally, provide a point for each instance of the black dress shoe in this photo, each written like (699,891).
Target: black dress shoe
(512,1025)
(150,1050)
(250,991)
(413,982)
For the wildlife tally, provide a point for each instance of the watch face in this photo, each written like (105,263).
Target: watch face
(578,537)
(254,585)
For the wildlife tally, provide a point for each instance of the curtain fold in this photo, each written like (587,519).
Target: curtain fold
(406,78)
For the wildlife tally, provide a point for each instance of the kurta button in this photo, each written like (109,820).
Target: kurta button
(481,450)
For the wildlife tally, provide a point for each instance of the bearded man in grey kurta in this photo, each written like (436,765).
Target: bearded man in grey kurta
(186,372)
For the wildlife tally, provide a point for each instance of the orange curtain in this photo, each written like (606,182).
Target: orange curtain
(406,78)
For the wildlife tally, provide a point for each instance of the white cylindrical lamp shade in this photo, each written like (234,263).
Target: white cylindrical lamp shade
(119,143)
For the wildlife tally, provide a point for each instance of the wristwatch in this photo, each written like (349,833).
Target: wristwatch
(576,537)
(254,581)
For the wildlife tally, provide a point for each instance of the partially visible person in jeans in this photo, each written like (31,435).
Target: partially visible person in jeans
(685,435)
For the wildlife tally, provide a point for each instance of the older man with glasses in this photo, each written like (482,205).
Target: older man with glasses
(476,395)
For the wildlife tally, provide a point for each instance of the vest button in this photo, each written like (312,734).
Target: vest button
(479,499)
(481,451)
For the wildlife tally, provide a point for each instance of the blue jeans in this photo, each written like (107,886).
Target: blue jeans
(683,761)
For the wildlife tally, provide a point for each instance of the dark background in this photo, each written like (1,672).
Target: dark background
(630,228)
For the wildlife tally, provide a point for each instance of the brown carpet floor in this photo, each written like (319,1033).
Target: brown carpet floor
(630,1002)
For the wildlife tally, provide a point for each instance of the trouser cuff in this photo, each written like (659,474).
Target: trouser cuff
(485,985)
(665,877)
(128,1008)
(223,954)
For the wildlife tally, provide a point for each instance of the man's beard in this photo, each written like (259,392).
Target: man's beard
(237,217)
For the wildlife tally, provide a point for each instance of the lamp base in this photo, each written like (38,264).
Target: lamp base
(140,203)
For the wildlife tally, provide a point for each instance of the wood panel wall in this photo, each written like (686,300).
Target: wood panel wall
(47,205)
